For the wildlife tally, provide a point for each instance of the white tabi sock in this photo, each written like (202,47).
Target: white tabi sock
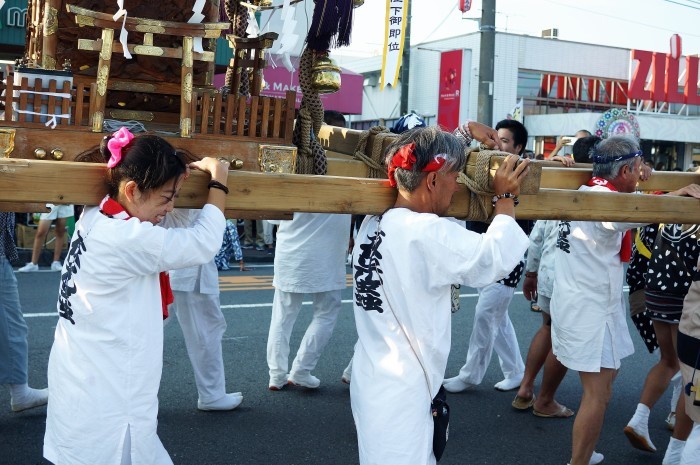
(19,391)
(637,429)
(673,452)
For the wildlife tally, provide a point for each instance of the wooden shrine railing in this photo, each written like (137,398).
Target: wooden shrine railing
(38,103)
(265,118)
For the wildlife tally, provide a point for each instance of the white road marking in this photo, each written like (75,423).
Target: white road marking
(267,305)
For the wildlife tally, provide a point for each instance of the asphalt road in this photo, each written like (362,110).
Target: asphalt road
(300,427)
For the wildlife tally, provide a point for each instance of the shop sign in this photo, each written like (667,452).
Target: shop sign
(449,98)
(16,17)
(465,5)
(582,89)
(664,70)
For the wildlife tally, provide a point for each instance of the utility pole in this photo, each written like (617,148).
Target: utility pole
(486,56)
(406,61)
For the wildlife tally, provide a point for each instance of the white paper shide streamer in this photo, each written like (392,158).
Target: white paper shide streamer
(124,34)
(197,17)
(288,39)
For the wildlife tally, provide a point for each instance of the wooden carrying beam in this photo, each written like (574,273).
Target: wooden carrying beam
(40,181)
(340,144)
(23,207)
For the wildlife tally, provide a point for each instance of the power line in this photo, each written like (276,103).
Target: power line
(621,19)
(683,4)
(454,7)
(693,1)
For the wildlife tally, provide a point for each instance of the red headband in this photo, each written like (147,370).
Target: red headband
(405,158)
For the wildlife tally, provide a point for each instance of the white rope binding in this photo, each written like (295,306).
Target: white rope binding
(51,122)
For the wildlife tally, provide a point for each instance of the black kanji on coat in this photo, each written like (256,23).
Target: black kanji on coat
(563,239)
(67,289)
(368,274)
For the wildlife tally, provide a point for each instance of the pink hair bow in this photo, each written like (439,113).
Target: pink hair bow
(119,140)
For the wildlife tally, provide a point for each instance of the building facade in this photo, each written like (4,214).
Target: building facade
(563,87)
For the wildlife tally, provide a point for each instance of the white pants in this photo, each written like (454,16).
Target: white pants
(285,310)
(492,330)
(267,232)
(691,451)
(203,325)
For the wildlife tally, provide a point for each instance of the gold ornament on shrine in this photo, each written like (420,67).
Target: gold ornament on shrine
(7,142)
(325,74)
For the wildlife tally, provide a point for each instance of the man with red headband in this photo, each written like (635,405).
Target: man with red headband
(405,262)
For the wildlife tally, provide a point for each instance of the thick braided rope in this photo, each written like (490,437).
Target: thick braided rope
(375,162)
(239,28)
(480,193)
(312,158)
(230,6)
(238,15)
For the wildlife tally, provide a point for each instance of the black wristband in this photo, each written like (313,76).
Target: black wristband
(217,185)
(507,195)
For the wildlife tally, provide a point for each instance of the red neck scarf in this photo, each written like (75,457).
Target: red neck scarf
(113,209)
(626,246)
(405,158)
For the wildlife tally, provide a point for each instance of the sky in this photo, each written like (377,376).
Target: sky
(640,24)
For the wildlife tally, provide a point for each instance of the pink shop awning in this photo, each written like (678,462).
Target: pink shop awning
(348,100)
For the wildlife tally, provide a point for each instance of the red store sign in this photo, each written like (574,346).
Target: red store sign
(449,98)
(664,69)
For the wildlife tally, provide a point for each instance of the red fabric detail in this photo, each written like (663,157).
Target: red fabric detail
(435,164)
(166,292)
(405,158)
(626,245)
(111,207)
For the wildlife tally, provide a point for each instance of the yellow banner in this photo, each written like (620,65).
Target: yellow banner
(394,33)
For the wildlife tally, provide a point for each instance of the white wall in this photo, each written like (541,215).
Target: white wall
(514,52)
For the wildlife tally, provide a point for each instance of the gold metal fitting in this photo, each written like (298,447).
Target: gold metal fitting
(277,158)
(7,142)
(40,153)
(325,74)
(57,154)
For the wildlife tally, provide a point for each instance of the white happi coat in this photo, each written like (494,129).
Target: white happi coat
(310,253)
(540,254)
(418,257)
(199,278)
(104,369)
(587,299)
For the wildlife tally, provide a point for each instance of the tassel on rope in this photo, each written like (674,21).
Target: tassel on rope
(331,24)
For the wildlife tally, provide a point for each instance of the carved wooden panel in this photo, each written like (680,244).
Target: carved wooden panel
(139,67)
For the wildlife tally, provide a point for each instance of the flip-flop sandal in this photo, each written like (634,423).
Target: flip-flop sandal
(522,403)
(535,308)
(563,412)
